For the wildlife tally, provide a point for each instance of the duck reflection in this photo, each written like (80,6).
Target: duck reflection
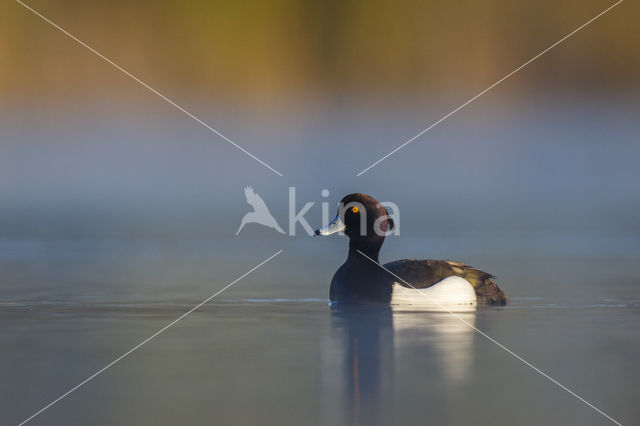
(359,362)
(449,336)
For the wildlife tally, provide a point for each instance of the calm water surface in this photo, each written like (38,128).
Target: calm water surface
(271,350)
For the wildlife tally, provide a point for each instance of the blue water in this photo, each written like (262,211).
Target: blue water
(113,224)
(270,350)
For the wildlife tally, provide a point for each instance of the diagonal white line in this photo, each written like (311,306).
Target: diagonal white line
(491,87)
(145,85)
(501,346)
(190,311)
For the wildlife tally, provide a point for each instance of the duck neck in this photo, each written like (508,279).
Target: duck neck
(357,248)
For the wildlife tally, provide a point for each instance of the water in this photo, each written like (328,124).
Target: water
(270,350)
(112,225)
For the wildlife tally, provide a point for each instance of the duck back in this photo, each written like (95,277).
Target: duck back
(425,273)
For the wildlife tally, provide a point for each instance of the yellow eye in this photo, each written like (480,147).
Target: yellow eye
(355,209)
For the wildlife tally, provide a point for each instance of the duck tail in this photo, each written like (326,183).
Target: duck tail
(489,292)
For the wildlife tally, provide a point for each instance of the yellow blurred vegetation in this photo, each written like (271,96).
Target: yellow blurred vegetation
(315,48)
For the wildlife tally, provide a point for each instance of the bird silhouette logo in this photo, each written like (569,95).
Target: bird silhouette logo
(260,214)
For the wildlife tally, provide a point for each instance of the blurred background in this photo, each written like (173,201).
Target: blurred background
(320,91)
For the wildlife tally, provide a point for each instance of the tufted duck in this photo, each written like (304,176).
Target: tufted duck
(431,282)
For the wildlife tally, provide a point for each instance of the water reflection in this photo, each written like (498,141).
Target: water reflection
(447,336)
(367,347)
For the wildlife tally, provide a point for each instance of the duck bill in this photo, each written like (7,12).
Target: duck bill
(336,225)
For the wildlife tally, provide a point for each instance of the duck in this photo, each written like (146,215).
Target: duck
(407,282)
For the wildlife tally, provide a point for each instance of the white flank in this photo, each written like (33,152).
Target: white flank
(451,293)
